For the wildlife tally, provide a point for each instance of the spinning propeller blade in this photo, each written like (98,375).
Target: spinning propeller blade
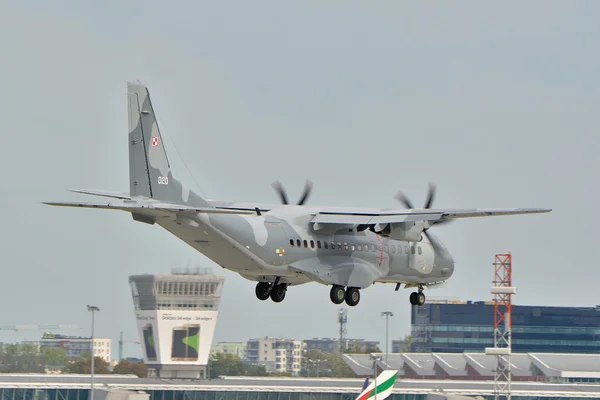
(281,191)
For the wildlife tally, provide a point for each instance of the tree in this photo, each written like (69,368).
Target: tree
(83,366)
(255,370)
(125,367)
(405,344)
(320,363)
(55,356)
(21,358)
(339,368)
(225,364)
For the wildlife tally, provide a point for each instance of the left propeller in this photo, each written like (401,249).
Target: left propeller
(281,191)
(430,196)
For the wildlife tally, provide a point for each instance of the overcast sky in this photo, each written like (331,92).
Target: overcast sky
(496,103)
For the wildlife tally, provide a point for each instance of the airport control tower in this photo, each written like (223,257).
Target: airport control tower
(176,316)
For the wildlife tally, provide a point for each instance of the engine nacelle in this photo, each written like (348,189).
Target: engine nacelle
(407,231)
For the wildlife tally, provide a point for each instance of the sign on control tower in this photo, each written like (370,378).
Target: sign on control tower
(176,317)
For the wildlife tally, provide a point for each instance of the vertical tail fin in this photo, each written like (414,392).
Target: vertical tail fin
(149,169)
(385,383)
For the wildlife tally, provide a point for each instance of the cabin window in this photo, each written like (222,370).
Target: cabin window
(385,248)
(325,245)
(318,244)
(419,250)
(359,247)
(406,249)
(412,249)
(312,244)
(298,242)
(332,246)
(305,243)
(292,242)
(372,246)
(352,247)
(339,246)
(346,246)
(393,249)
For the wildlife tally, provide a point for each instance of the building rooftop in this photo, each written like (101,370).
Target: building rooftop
(582,366)
(304,385)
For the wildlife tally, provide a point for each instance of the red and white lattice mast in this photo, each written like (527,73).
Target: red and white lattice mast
(502,290)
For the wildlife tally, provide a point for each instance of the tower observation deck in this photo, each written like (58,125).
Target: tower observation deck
(177,316)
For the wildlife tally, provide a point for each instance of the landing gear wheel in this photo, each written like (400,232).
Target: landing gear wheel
(278,292)
(413,298)
(352,296)
(420,298)
(337,294)
(263,290)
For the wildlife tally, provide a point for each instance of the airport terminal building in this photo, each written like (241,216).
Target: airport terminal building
(76,387)
(455,327)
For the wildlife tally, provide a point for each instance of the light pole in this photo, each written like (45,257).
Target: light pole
(92,309)
(375,359)
(387,314)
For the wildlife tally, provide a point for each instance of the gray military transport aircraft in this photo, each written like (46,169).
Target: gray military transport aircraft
(281,245)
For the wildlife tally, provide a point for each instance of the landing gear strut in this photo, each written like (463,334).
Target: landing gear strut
(276,291)
(417,298)
(338,295)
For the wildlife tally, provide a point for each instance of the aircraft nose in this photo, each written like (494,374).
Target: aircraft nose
(443,259)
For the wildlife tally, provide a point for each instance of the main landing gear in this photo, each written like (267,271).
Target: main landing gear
(417,298)
(276,291)
(338,294)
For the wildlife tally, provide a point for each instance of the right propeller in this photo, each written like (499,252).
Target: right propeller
(430,196)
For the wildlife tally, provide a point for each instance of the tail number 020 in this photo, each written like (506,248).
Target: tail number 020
(163,180)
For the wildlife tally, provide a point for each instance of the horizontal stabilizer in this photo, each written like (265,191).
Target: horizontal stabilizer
(102,193)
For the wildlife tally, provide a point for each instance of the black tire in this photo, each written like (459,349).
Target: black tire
(337,294)
(352,296)
(262,290)
(413,298)
(278,293)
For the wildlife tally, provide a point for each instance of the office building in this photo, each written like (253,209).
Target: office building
(277,355)
(235,348)
(177,315)
(77,346)
(454,326)
(329,345)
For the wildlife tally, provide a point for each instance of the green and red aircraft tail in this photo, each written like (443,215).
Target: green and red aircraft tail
(385,383)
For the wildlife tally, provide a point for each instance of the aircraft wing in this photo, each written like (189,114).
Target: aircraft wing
(415,215)
(133,206)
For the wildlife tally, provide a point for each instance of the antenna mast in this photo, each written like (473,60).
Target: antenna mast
(342,320)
